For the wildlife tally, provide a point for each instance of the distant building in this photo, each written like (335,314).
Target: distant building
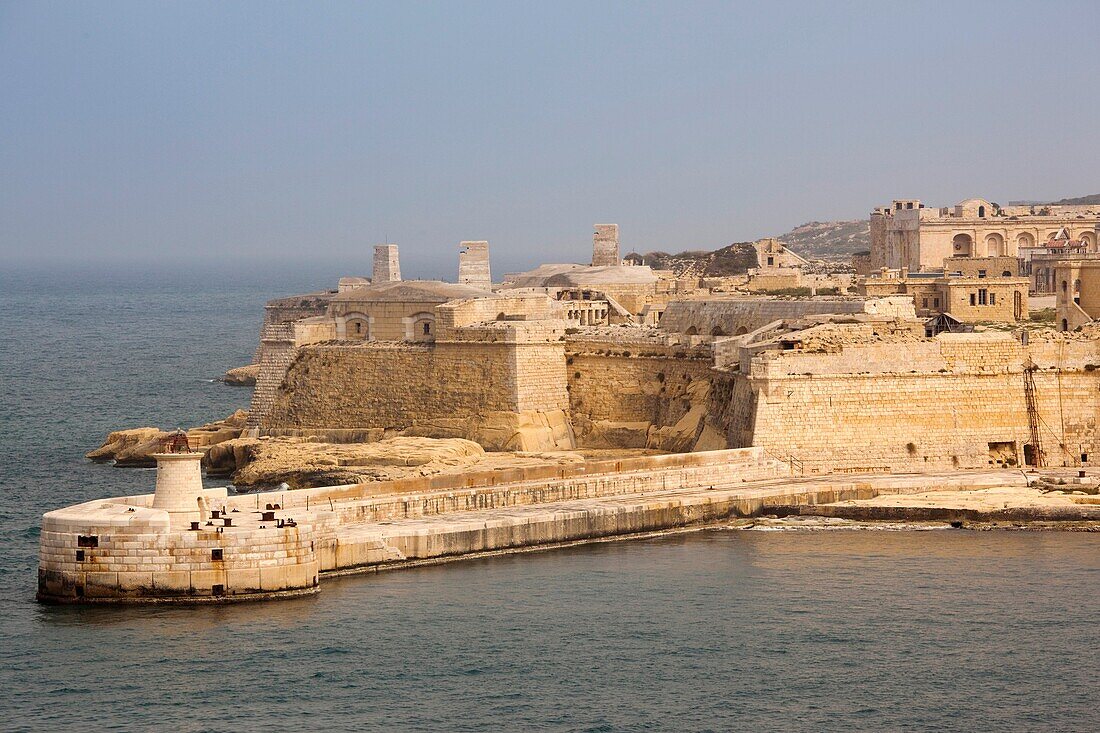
(906,234)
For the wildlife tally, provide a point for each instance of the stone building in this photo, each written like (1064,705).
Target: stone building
(970,297)
(907,234)
(1039,262)
(395,311)
(1077,287)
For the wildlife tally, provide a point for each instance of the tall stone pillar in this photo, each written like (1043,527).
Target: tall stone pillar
(387,268)
(179,482)
(605,246)
(473,265)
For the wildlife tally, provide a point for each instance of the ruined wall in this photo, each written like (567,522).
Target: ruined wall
(605,246)
(624,394)
(928,405)
(473,265)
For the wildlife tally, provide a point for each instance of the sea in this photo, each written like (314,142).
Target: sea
(718,630)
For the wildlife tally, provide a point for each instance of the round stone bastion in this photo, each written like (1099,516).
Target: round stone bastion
(182,544)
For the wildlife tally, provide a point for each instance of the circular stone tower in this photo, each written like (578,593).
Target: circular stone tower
(179,477)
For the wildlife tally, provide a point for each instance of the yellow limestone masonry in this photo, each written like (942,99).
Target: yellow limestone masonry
(956,401)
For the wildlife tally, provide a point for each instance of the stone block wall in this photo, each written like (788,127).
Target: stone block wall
(733,316)
(931,405)
(397,385)
(83,555)
(277,351)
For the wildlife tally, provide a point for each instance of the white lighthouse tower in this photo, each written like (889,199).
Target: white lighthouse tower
(179,477)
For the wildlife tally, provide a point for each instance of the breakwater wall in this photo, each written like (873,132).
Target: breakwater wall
(276,544)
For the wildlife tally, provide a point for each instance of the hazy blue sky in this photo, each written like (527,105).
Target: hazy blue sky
(236,130)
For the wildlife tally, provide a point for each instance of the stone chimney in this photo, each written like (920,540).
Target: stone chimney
(179,482)
(387,268)
(605,246)
(473,265)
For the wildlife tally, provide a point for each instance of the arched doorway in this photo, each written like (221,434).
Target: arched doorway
(995,245)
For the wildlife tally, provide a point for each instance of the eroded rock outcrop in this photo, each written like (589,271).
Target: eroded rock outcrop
(135,447)
(244,376)
(304,463)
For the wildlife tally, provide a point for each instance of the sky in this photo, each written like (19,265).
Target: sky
(290,132)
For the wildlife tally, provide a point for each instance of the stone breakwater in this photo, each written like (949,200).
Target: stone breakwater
(275,544)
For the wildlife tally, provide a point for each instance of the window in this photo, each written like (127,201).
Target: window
(771,261)
(358,327)
(87,540)
(983,296)
(427,329)
(993,299)
(973,299)
(981,273)
(936,303)
(924,302)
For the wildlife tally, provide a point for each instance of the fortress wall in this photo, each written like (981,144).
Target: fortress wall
(732,317)
(864,410)
(397,385)
(633,384)
(276,352)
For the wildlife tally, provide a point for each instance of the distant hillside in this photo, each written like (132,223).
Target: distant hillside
(816,240)
(1081,201)
(829,240)
(735,259)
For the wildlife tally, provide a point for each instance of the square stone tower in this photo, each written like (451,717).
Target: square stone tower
(605,246)
(387,269)
(473,265)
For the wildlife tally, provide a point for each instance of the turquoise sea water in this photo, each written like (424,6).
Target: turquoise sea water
(720,630)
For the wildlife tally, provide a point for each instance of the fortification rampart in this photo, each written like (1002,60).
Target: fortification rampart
(957,401)
(734,316)
(506,383)
(636,394)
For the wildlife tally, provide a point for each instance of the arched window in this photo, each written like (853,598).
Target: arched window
(1006,273)
(1065,325)
(962,245)
(981,212)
